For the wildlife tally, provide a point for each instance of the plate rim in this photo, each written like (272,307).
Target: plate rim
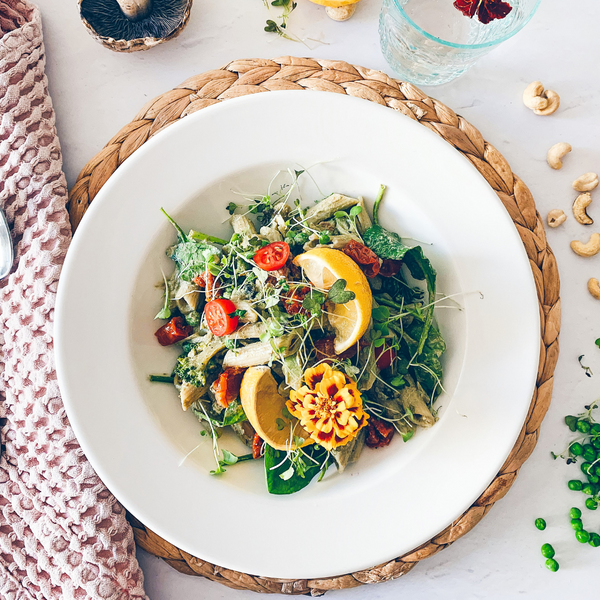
(139,156)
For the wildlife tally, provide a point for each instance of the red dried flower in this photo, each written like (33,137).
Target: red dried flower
(486,10)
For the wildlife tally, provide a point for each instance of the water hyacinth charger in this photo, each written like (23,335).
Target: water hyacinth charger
(539,275)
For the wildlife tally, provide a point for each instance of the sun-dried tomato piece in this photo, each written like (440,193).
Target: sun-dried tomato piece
(379,432)
(257,445)
(206,280)
(390,267)
(292,301)
(174,331)
(325,348)
(384,357)
(486,10)
(364,257)
(227,386)
(275,276)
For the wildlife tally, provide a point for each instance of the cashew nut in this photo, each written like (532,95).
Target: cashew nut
(591,248)
(553,104)
(581,203)
(556,217)
(340,13)
(540,101)
(586,183)
(594,288)
(533,96)
(557,152)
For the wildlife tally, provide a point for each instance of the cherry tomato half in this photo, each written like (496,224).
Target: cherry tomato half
(384,358)
(218,316)
(272,256)
(174,331)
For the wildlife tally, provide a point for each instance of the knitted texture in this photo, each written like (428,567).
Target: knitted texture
(62,533)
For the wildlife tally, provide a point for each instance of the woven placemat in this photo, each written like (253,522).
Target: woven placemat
(243,77)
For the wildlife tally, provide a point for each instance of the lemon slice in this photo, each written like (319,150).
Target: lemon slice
(264,405)
(323,267)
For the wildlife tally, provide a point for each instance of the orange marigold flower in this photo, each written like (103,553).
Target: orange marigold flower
(329,406)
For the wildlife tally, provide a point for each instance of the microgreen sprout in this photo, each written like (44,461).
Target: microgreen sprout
(588,371)
(165,312)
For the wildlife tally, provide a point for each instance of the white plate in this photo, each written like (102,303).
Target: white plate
(135,433)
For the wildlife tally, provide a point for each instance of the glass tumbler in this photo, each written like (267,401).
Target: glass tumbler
(430,42)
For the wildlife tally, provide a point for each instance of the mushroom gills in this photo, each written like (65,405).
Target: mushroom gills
(126,20)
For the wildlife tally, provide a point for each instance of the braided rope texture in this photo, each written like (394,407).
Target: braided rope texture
(253,76)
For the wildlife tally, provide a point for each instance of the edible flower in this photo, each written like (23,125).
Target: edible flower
(329,406)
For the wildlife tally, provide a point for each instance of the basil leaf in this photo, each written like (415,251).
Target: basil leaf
(193,258)
(288,478)
(386,244)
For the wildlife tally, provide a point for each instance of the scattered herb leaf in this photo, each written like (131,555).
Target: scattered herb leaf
(338,293)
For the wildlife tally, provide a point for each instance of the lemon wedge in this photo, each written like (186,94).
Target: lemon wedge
(350,321)
(334,3)
(264,406)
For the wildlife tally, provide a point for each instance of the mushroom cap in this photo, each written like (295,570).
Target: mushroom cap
(108,25)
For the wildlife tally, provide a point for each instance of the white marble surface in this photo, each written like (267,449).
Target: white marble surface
(96,91)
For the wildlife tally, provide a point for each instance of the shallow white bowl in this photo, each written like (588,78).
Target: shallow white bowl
(134,432)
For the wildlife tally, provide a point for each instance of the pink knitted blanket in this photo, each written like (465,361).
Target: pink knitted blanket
(62,533)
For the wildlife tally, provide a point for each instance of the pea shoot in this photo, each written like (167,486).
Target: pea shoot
(585,450)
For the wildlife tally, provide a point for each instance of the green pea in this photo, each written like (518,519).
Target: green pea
(594,540)
(552,565)
(589,453)
(301,238)
(575,513)
(589,489)
(596,428)
(576,449)
(583,426)
(582,536)
(575,485)
(548,551)
(592,478)
(591,504)
(585,467)
(597,469)
(577,524)
(324,238)
(540,524)
(596,442)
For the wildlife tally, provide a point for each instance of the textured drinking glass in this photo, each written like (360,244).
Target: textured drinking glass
(430,42)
